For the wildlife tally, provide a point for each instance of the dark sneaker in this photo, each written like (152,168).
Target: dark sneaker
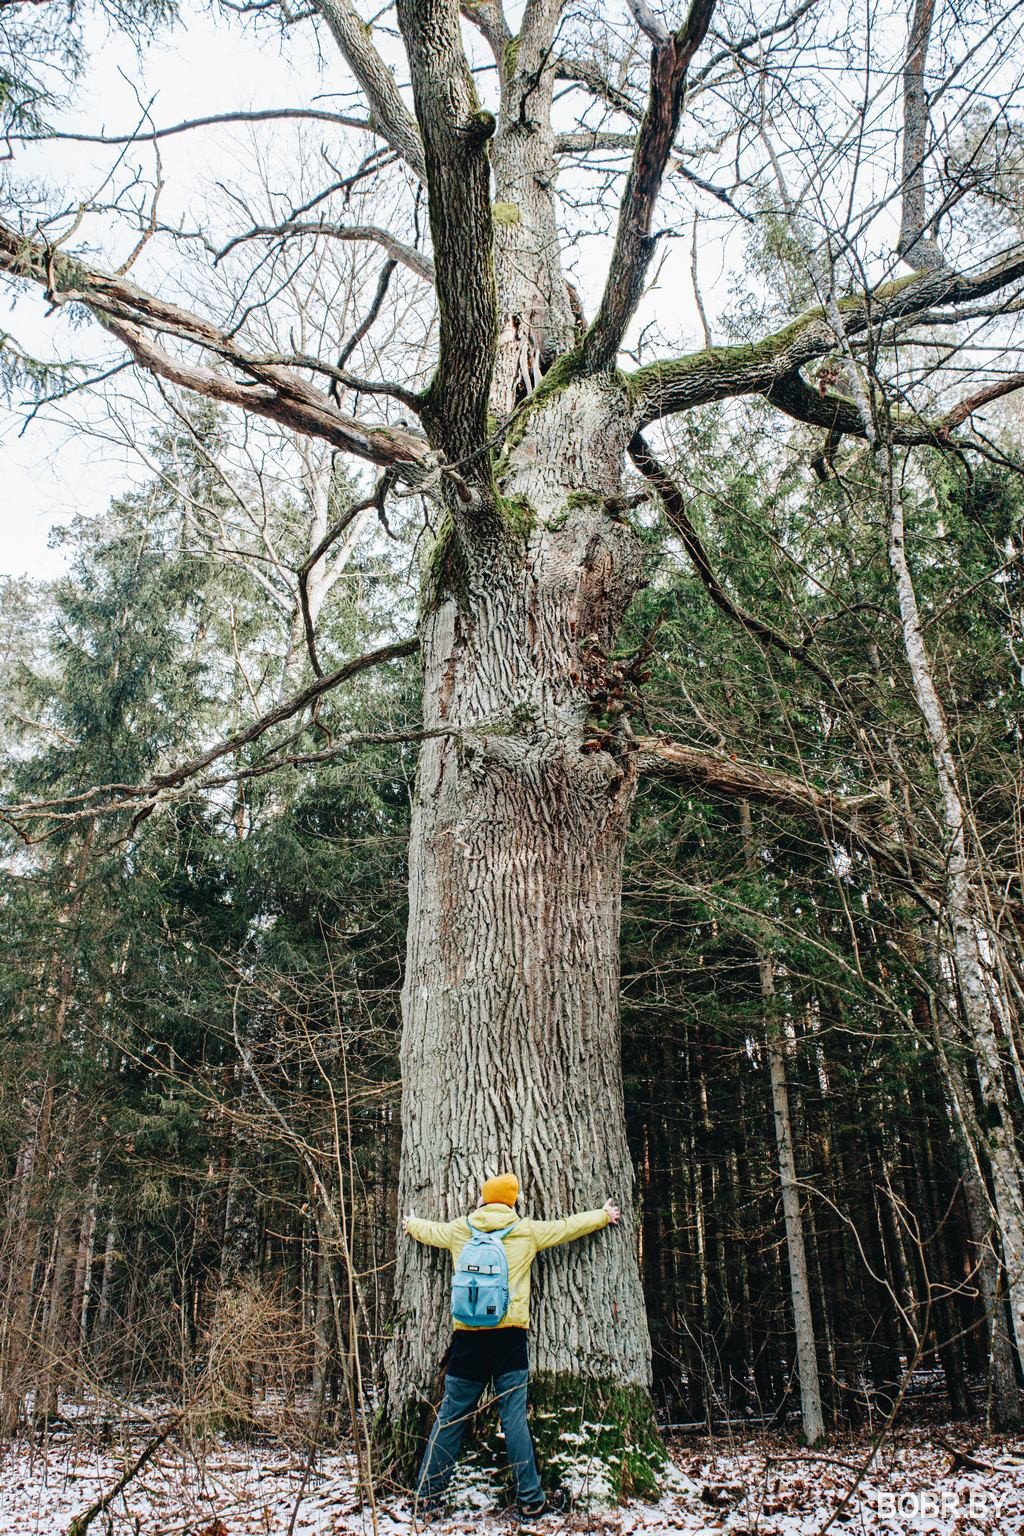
(551,1504)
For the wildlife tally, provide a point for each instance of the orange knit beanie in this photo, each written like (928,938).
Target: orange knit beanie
(504,1190)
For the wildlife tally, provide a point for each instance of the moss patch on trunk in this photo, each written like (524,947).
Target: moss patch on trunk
(596,1438)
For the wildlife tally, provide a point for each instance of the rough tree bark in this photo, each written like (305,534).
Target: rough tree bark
(510,1053)
(510,1049)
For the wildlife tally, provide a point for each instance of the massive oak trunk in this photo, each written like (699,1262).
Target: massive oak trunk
(510,1052)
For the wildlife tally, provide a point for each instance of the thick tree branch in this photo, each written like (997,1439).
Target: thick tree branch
(136,318)
(838,414)
(913,244)
(408,397)
(699,769)
(489,18)
(455,134)
(389,115)
(721,373)
(852,821)
(634,244)
(537,33)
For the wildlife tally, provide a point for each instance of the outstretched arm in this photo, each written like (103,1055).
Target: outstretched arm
(436,1234)
(549,1234)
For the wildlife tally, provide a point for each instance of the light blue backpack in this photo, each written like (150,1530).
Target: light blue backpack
(480,1282)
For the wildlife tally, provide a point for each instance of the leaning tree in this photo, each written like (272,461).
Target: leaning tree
(865,148)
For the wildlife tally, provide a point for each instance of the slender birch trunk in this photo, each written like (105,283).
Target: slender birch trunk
(799,1288)
(964,921)
(982,1215)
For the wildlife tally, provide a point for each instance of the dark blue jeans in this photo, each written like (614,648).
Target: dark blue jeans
(460,1398)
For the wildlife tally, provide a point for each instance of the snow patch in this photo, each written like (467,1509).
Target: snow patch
(723,1487)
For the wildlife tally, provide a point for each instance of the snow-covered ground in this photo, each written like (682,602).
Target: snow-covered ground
(767,1487)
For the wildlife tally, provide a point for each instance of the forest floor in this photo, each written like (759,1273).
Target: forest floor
(724,1486)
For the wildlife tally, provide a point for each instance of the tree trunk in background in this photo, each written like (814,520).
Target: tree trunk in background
(103,1304)
(239,1255)
(799,1289)
(1004,1396)
(34,1171)
(323,1329)
(53,1349)
(82,1287)
(510,1049)
(935,1255)
(966,929)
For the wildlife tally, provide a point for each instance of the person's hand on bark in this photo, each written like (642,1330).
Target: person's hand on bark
(613,1213)
(406,1220)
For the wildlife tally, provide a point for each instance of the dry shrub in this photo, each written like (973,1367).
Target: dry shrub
(256,1365)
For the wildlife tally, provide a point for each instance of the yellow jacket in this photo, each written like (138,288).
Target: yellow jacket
(521,1246)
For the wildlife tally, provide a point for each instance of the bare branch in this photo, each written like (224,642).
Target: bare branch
(216,120)
(91,801)
(415,260)
(583,72)
(634,243)
(675,510)
(741,44)
(362,329)
(389,114)
(317,554)
(268,389)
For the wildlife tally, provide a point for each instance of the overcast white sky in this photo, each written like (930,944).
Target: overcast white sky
(53,469)
(50,470)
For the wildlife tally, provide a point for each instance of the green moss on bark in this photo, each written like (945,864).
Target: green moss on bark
(446,570)
(735,361)
(596,1438)
(561,373)
(517,518)
(398,1442)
